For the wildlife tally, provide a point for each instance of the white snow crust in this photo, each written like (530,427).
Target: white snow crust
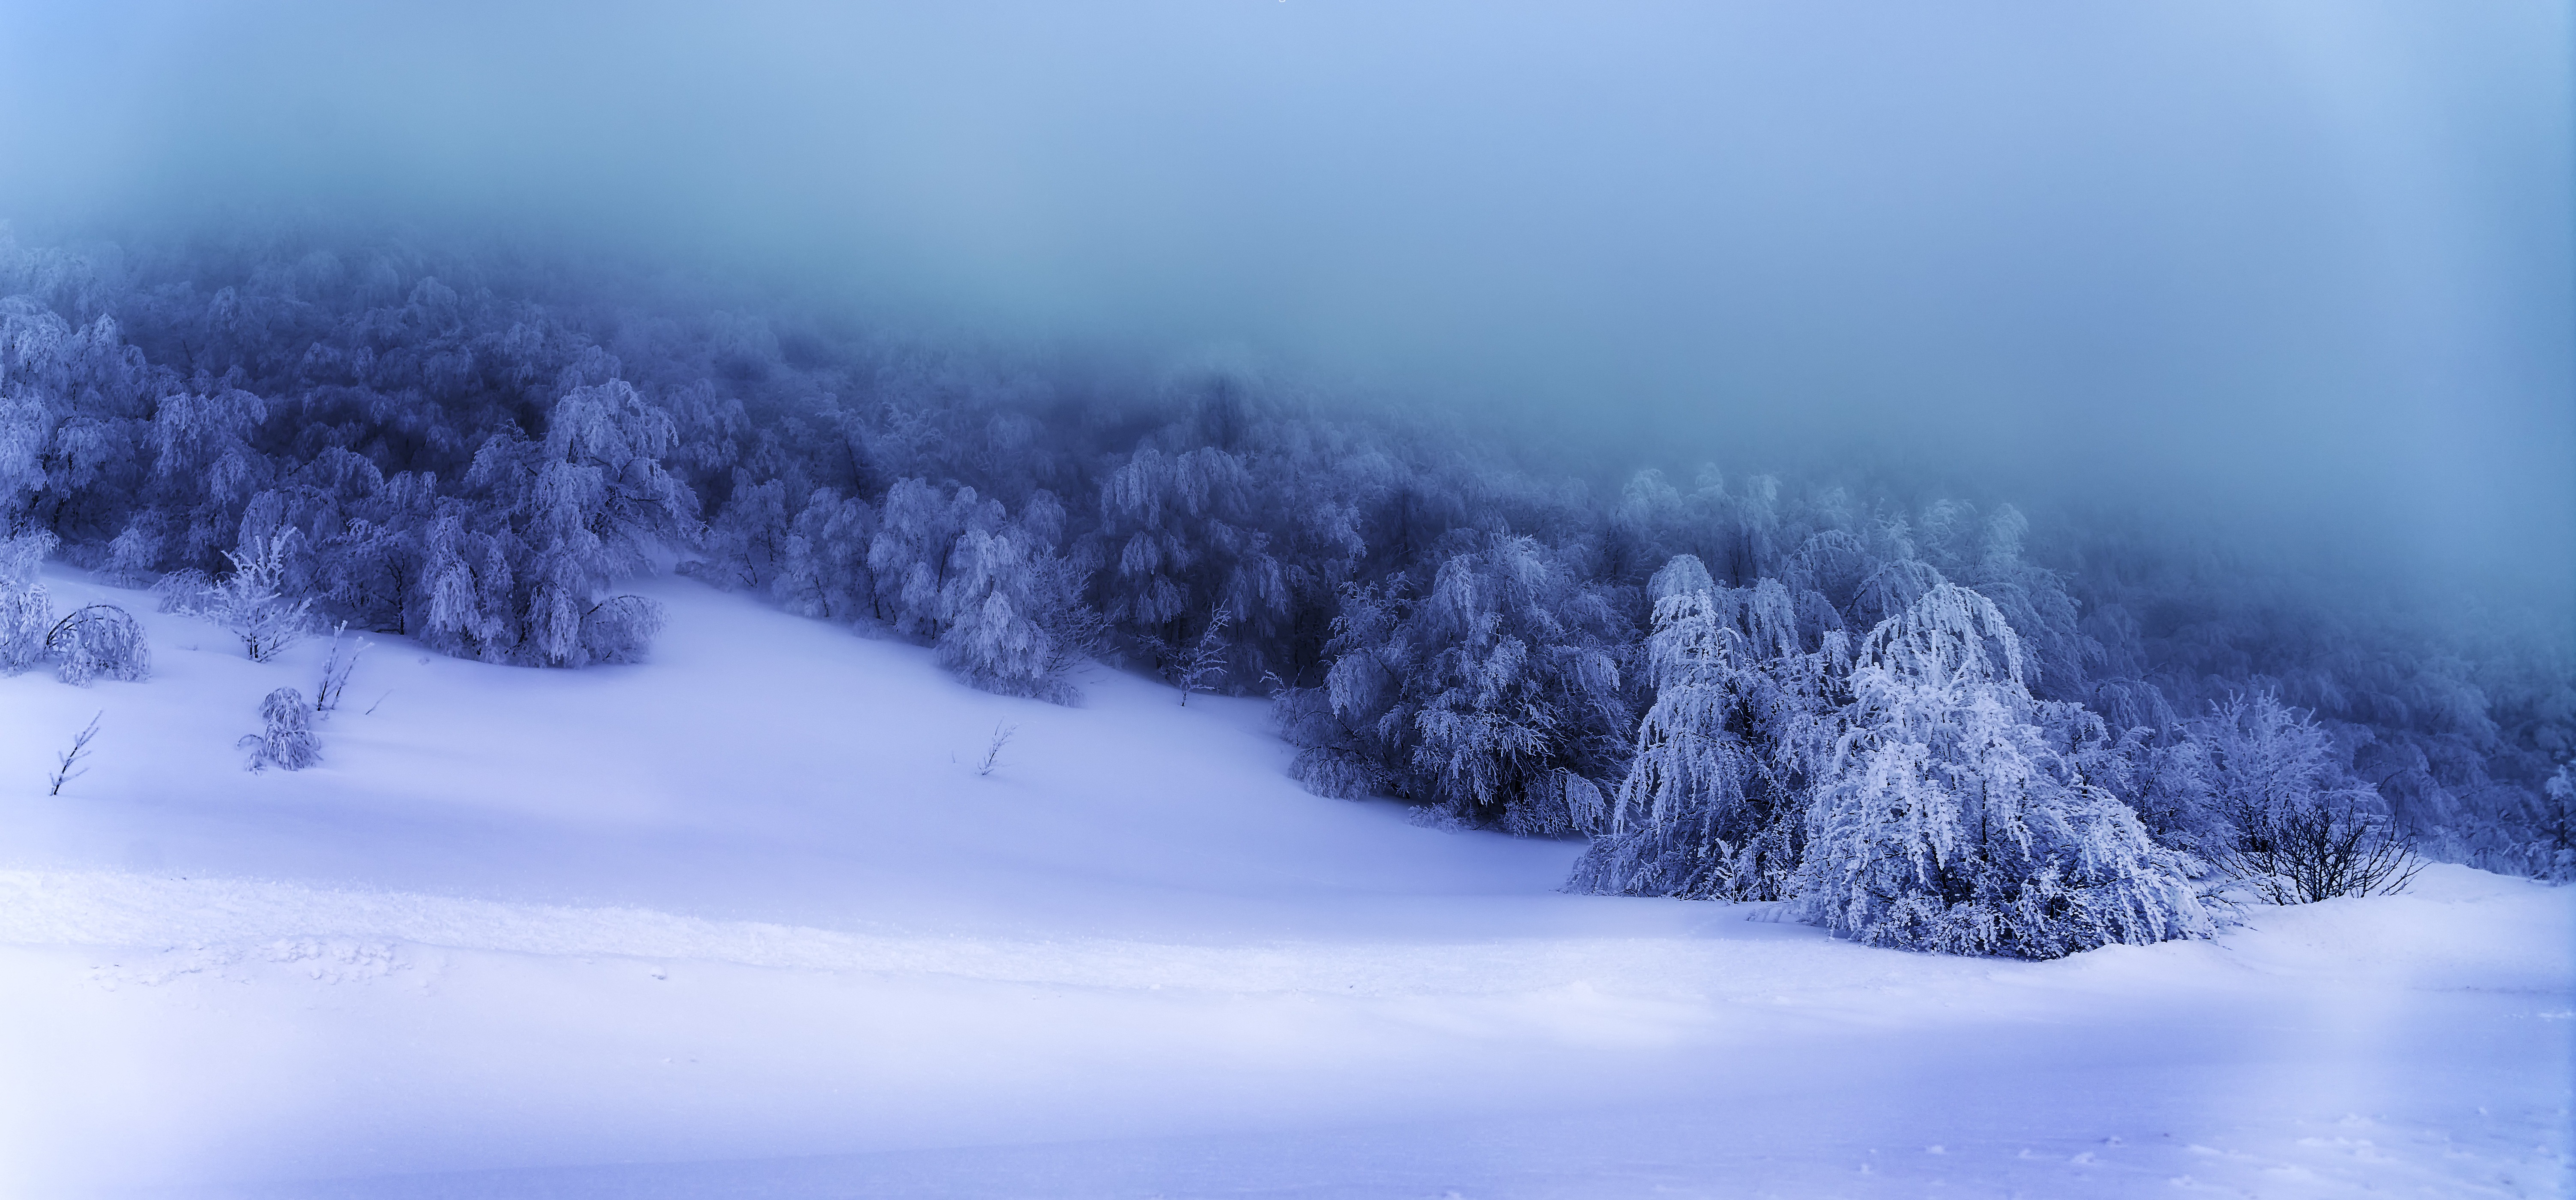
(747,921)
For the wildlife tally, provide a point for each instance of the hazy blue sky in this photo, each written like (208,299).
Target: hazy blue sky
(2303,263)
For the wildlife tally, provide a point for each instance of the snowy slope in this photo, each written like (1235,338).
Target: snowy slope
(750,915)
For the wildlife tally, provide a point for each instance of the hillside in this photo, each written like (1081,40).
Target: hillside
(753,907)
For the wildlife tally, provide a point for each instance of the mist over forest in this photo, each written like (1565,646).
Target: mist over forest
(2208,365)
(1225,597)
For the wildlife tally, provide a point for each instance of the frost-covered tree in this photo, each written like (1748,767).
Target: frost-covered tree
(915,547)
(620,629)
(205,463)
(1184,540)
(75,405)
(2285,813)
(26,606)
(26,420)
(1713,804)
(1521,686)
(1480,695)
(823,569)
(2556,844)
(987,613)
(746,544)
(250,600)
(1947,821)
(1988,556)
(2267,763)
(517,568)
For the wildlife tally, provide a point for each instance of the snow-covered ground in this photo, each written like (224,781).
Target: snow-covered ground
(749,921)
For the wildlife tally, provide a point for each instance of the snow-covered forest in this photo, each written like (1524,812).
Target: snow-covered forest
(1219,598)
(1721,681)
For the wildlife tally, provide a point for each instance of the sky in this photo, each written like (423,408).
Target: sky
(2297,270)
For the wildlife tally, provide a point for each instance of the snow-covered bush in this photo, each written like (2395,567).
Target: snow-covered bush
(26,607)
(287,740)
(1947,821)
(620,629)
(96,640)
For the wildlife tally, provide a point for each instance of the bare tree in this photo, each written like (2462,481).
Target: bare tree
(993,750)
(67,764)
(2321,853)
(335,671)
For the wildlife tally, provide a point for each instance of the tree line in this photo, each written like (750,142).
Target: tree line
(1926,721)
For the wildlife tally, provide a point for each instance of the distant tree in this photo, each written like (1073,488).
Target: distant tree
(516,570)
(914,549)
(2557,841)
(205,463)
(1183,537)
(1075,631)
(987,614)
(746,545)
(1010,611)
(823,569)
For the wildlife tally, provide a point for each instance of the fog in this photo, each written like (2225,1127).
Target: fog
(2302,270)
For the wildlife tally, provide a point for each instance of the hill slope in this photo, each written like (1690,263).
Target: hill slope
(752,916)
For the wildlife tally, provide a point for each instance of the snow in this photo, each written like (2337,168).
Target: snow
(746,920)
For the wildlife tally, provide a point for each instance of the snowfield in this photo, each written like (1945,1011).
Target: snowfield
(750,920)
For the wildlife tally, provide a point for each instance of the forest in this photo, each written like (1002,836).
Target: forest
(1936,724)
